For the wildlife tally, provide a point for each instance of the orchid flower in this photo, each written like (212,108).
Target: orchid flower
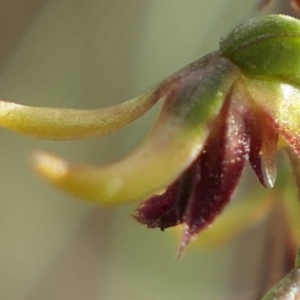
(238,104)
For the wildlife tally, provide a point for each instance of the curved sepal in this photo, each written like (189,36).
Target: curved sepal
(63,123)
(196,95)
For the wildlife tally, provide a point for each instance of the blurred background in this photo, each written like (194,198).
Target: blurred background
(88,54)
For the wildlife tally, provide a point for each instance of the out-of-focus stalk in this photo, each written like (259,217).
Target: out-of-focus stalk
(287,288)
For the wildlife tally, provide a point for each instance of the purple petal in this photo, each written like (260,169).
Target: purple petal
(220,166)
(166,210)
